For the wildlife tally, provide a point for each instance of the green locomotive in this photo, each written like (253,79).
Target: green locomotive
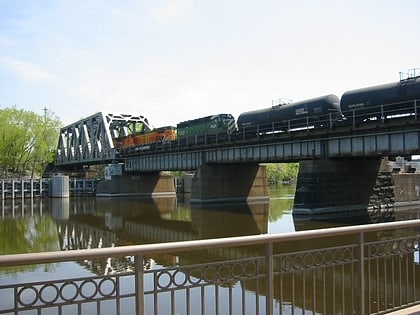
(221,124)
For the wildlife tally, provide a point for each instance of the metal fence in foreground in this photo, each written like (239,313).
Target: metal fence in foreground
(370,269)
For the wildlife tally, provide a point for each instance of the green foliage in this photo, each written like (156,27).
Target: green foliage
(27,141)
(282,172)
(27,235)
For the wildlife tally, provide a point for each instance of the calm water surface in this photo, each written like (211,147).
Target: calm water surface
(41,225)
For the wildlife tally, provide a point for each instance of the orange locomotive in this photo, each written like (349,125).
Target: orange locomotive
(157,135)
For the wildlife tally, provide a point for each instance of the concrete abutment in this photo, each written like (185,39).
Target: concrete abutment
(344,185)
(230,183)
(213,184)
(327,186)
(151,184)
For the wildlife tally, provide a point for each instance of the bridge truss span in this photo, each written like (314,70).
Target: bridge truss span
(91,139)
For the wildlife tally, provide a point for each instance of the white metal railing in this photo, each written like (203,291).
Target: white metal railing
(13,188)
(369,269)
(31,188)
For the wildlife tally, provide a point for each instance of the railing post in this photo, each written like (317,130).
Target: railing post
(22,188)
(331,122)
(139,282)
(361,274)
(270,278)
(13,189)
(354,117)
(382,113)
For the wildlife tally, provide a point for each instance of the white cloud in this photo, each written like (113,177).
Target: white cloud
(26,70)
(6,41)
(172,9)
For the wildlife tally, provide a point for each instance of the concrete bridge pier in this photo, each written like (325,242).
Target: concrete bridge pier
(230,183)
(150,184)
(331,186)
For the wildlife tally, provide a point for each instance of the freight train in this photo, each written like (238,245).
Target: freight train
(381,102)
(313,112)
(200,130)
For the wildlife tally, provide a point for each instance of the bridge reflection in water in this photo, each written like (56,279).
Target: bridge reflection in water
(312,273)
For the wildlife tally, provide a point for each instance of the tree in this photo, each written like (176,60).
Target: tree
(27,141)
(282,172)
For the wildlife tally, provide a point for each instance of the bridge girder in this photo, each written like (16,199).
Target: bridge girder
(400,140)
(91,139)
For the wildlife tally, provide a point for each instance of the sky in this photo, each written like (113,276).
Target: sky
(176,60)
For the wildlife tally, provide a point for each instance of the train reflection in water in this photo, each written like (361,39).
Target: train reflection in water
(91,223)
(138,221)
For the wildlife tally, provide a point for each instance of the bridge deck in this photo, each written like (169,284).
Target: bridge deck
(400,138)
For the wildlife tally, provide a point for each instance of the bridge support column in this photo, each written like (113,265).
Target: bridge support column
(344,185)
(142,184)
(230,183)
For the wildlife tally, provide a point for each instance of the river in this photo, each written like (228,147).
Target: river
(39,225)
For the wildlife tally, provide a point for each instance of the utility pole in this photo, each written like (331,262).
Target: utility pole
(45,109)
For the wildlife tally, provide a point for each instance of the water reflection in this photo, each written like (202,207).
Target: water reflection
(211,221)
(36,225)
(89,222)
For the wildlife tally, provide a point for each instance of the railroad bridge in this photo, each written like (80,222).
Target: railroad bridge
(340,166)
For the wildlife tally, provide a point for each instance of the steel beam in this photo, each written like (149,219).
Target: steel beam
(385,143)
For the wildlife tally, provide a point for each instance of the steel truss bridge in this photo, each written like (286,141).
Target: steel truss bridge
(90,141)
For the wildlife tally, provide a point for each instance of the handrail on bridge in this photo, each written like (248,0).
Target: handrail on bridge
(365,276)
